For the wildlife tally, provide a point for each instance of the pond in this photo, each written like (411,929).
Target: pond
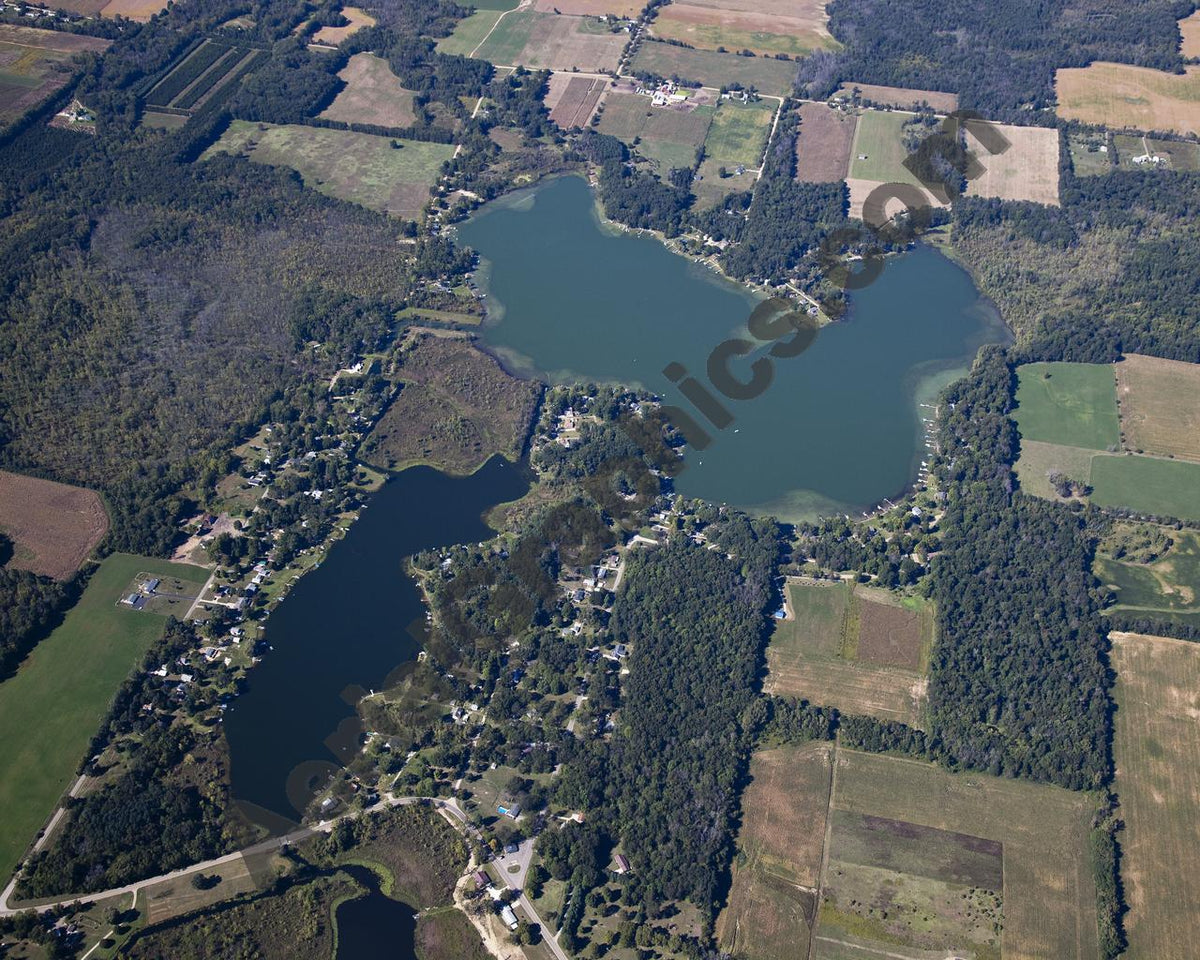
(840,426)
(342,630)
(374,927)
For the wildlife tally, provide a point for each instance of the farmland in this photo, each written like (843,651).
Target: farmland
(1157,753)
(456,408)
(772,901)
(1164,588)
(670,136)
(335,35)
(1164,488)
(1073,404)
(61,692)
(1118,95)
(878,156)
(373,94)
(714,69)
(922,845)
(1027,170)
(54,527)
(1160,406)
(1175,154)
(863,651)
(900,97)
(34,64)
(469,33)
(764,28)
(823,143)
(1189,29)
(205,71)
(586,8)
(139,10)
(572,100)
(738,134)
(358,167)
(545,41)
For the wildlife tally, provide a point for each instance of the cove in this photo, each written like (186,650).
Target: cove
(839,429)
(374,926)
(343,628)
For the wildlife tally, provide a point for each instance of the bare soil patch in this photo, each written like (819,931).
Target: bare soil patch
(373,94)
(890,636)
(901,97)
(52,525)
(335,35)
(823,144)
(572,100)
(1189,29)
(1159,404)
(1118,95)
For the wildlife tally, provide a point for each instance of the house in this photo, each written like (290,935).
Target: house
(136,600)
(511,811)
(509,918)
(622,863)
(481,879)
(150,585)
(511,848)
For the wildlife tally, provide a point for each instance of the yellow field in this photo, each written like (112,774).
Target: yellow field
(1027,170)
(1189,28)
(335,35)
(140,10)
(1157,753)
(373,94)
(1118,95)
(767,28)
(1159,404)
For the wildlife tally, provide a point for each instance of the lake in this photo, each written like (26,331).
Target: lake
(838,429)
(342,630)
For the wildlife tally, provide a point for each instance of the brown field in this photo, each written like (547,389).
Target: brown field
(85,8)
(900,97)
(591,8)
(140,10)
(823,144)
(772,898)
(849,686)
(770,76)
(572,100)
(891,636)
(1157,752)
(34,64)
(1049,898)
(1118,95)
(1159,404)
(53,527)
(373,94)
(1189,29)
(1027,170)
(173,898)
(335,35)
(791,28)
(456,408)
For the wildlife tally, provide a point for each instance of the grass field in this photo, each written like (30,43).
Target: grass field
(548,41)
(1167,588)
(1087,157)
(1159,403)
(1072,404)
(1118,95)
(668,135)
(794,28)
(738,133)
(1189,29)
(714,69)
(901,97)
(861,650)
(335,35)
(60,694)
(585,8)
(877,156)
(162,121)
(1039,460)
(373,94)
(139,10)
(53,526)
(358,167)
(772,899)
(935,839)
(1178,154)
(1026,170)
(36,63)
(823,143)
(1157,752)
(469,33)
(1163,488)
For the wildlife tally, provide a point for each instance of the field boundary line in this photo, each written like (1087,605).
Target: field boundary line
(833,758)
(521,6)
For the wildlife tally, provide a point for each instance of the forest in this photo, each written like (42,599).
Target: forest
(30,607)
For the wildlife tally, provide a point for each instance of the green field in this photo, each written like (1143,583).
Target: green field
(1039,460)
(1164,589)
(1179,154)
(1074,404)
(1086,155)
(1164,488)
(358,167)
(53,705)
(714,69)
(469,33)
(738,133)
(671,138)
(879,138)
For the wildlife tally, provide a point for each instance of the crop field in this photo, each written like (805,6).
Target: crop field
(1189,29)
(1176,154)
(587,8)
(1164,488)
(877,157)
(335,35)
(1167,588)
(61,692)
(764,28)
(457,407)
(358,167)
(1160,406)
(85,8)
(469,33)
(34,64)
(863,651)
(53,526)
(373,94)
(1073,404)
(738,134)
(772,900)
(900,97)
(1027,170)
(669,135)
(823,143)
(1156,748)
(139,10)
(572,100)
(714,69)
(922,859)
(548,41)
(1118,95)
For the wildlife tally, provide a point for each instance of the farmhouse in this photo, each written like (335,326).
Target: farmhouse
(509,918)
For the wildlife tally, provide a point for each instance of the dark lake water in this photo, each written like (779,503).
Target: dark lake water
(343,628)
(839,427)
(374,927)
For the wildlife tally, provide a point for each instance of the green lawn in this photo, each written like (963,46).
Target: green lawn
(1073,404)
(1165,488)
(470,32)
(879,138)
(53,705)
(358,167)
(738,133)
(1165,589)
(508,40)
